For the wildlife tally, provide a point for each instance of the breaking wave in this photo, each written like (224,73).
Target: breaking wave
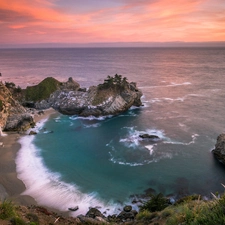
(57,193)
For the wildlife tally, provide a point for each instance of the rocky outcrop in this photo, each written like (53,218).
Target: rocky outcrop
(13,116)
(219,151)
(104,99)
(94,216)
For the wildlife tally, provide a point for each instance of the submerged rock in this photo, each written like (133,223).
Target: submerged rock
(219,151)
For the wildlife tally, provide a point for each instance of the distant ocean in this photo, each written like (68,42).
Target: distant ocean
(102,161)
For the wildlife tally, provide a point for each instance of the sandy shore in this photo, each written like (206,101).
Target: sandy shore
(10,186)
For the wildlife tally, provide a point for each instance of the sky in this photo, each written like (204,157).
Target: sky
(111,21)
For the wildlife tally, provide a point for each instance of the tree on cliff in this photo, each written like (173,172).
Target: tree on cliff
(116,82)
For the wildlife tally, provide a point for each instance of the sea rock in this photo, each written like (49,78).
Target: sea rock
(114,96)
(148,136)
(97,101)
(219,151)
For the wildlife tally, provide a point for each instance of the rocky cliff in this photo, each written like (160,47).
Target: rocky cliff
(13,116)
(219,151)
(114,96)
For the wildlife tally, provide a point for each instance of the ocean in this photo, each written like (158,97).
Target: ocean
(102,162)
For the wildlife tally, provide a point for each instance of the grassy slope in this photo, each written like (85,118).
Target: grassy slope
(189,211)
(43,90)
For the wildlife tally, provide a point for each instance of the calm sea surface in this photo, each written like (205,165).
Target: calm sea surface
(102,162)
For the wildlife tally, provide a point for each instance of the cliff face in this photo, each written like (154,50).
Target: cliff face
(13,116)
(101,100)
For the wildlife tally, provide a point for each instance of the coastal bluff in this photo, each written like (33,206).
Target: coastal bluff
(114,96)
(13,116)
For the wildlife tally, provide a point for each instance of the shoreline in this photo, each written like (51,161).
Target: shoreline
(11,187)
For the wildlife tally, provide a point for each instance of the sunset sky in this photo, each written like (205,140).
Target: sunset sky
(93,21)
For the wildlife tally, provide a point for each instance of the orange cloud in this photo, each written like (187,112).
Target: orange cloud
(129,20)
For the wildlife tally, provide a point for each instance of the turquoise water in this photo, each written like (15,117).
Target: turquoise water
(103,162)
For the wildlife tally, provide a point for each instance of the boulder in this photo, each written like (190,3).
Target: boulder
(127,216)
(127,208)
(93,213)
(32,132)
(219,151)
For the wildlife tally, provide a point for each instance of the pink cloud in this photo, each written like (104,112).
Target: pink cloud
(129,20)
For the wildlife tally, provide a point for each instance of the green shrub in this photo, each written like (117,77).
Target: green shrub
(117,82)
(156,203)
(10,85)
(43,90)
(17,221)
(144,215)
(33,223)
(7,210)
(166,213)
(34,220)
(188,198)
(212,213)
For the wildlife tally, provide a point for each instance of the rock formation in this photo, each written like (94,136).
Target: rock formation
(13,116)
(114,96)
(219,151)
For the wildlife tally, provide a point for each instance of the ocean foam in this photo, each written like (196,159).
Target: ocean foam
(172,84)
(193,136)
(47,188)
(134,145)
(132,139)
(90,117)
(150,148)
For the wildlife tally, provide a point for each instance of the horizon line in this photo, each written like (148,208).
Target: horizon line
(115,44)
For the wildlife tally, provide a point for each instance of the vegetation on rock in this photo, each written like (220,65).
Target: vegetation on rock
(156,203)
(7,210)
(110,86)
(43,90)
(117,82)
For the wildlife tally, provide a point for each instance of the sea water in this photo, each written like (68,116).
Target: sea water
(102,162)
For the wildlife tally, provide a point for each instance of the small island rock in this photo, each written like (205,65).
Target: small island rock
(219,151)
(148,136)
(116,95)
